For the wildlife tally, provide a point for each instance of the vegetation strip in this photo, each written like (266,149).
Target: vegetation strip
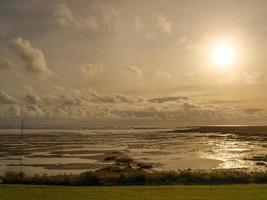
(116,176)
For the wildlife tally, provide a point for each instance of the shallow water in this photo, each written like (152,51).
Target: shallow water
(74,151)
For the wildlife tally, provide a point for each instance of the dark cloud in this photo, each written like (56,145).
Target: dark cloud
(167,99)
(89,104)
(32,99)
(14,110)
(6,99)
(33,111)
(114,98)
(71,101)
(252,111)
(226,101)
(132,71)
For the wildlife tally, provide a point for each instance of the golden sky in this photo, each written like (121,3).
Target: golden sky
(171,62)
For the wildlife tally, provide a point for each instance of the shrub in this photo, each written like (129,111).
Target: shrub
(13,177)
(89,178)
(125,176)
(133,178)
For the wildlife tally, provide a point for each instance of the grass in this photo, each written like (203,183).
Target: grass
(222,192)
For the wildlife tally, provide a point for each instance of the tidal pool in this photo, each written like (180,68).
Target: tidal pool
(74,151)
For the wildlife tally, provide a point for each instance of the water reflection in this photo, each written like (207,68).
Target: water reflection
(72,151)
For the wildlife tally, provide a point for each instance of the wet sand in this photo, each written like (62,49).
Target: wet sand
(74,151)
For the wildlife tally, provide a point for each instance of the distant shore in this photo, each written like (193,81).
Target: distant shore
(235,129)
(240,130)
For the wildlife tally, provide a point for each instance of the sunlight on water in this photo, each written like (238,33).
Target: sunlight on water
(74,151)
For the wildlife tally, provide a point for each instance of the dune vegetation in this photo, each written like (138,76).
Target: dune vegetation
(116,176)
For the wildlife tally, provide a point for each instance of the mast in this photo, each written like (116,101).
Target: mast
(21,146)
(21,142)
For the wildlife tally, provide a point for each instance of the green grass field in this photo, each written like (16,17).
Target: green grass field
(225,192)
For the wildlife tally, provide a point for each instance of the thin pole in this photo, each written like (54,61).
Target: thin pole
(21,147)
(21,142)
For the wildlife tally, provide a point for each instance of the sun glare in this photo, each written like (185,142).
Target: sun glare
(223,55)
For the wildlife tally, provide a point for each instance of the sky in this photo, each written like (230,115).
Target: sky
(132,63)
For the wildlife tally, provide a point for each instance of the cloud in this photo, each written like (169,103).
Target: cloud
(91,70)
(244,77)
(5,64)
(103,14)
(162,74)
(14,110)
(88,104)
(220,101)
(33,111)
(178,113)
(114,98)
(71,101)
(67,18)
(251,111)
(167,99)
(188,44)
(164,24)
(32,99)
(9,110)
(6,99)
(132,71)
(33,57)
(106,13)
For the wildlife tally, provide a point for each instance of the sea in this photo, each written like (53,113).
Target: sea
(72,151)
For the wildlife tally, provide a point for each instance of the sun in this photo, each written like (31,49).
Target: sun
(223,55)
